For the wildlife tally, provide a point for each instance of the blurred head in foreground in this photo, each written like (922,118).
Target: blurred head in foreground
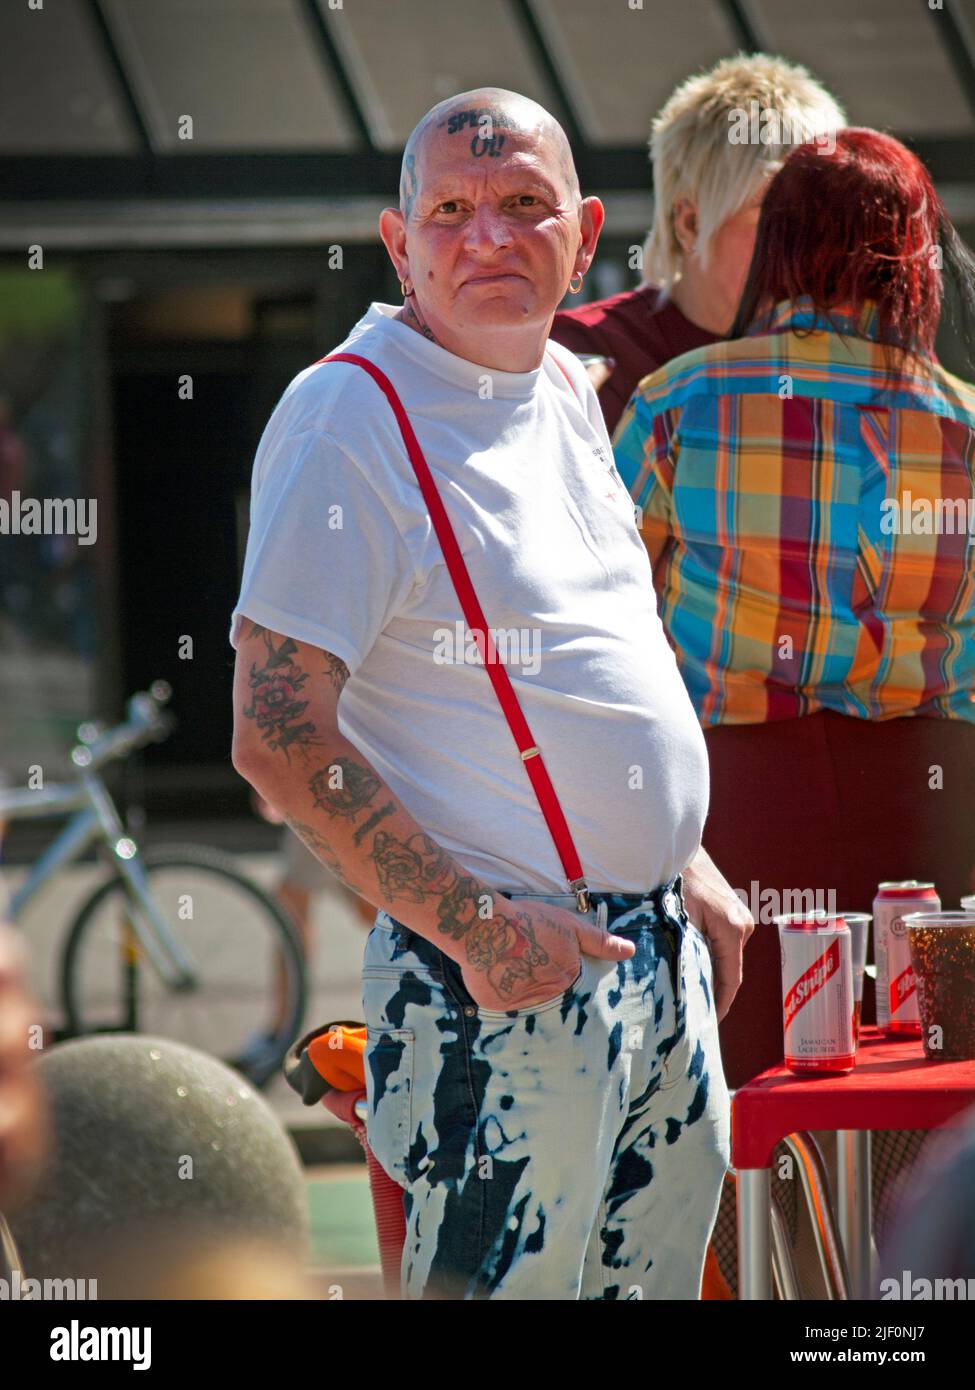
(168,1177)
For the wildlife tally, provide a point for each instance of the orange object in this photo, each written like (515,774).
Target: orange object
(338,1056)
(329,1059)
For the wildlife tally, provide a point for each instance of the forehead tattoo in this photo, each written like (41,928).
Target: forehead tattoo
(482,120)
(484,127)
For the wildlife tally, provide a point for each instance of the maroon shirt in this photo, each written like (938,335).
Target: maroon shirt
(635,328)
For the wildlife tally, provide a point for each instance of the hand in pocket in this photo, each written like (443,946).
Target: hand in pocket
(529,953)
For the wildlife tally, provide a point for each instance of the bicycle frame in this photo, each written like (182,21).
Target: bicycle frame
(96,819)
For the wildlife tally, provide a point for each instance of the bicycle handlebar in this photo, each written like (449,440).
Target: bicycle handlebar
(147,723)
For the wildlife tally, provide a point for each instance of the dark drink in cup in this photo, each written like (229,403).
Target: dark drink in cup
(942,948)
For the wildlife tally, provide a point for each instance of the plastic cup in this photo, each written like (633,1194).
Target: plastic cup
(942,948)
(859,924)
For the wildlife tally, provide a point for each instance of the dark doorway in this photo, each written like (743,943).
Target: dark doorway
(183,469)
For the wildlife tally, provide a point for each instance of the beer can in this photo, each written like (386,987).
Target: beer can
(817,993)
(897,1010)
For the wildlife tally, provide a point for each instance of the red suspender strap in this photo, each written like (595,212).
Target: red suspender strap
(474,617)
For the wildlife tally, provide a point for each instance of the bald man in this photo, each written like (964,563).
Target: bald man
(543,1071)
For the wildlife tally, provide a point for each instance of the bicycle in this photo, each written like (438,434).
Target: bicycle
(145,950)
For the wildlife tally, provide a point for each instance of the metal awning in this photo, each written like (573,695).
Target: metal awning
(205,122)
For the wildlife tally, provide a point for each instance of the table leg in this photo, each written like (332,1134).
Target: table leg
(754,1249)
(855,1205)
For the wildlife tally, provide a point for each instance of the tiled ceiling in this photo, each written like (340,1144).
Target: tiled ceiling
(247,71)
(619,64)
(350,78)
(403,58)
(58,94)
(885,60)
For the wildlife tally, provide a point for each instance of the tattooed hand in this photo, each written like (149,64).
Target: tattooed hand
(529,953)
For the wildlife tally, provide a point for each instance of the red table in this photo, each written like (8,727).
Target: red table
(892,1086)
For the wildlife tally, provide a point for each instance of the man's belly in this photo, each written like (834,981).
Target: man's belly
(631,777)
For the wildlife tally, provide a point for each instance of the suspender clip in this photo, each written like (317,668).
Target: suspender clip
(578,886)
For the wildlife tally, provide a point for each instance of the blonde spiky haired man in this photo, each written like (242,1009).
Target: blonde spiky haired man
(716,142)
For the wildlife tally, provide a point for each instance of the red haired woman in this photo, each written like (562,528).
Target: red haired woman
(808,499)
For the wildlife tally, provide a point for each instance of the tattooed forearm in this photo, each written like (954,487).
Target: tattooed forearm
(319,846)
(458,909)
(344,788)
(387,810)
(502,946)
(276,704)
(415,869)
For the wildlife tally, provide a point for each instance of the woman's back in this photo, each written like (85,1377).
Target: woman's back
(811,520)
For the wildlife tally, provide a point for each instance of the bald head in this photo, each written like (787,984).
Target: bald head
(483,118)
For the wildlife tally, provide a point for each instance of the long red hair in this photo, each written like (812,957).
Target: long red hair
(860,221)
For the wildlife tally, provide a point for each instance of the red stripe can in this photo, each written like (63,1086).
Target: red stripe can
(897,1010)
(817,993)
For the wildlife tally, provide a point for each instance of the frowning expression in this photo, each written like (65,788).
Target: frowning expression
(492,230)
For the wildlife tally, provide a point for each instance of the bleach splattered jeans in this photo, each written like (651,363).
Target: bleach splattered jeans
(573,1150)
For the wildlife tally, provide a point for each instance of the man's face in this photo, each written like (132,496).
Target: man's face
(491,237)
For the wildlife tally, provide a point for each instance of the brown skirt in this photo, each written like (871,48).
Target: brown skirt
(829,803)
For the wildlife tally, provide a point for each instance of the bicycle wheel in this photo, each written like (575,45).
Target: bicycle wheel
(248,963)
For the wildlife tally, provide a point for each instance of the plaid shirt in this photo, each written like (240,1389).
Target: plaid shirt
(788,581)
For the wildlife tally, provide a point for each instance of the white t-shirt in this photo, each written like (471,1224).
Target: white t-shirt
(342,554)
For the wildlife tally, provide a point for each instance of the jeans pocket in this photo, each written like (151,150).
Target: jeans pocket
(389,1066)
(493,1015)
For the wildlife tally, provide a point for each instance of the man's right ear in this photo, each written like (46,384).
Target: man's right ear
(392,230)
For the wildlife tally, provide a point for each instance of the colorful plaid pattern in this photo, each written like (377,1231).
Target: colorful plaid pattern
(766,468)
